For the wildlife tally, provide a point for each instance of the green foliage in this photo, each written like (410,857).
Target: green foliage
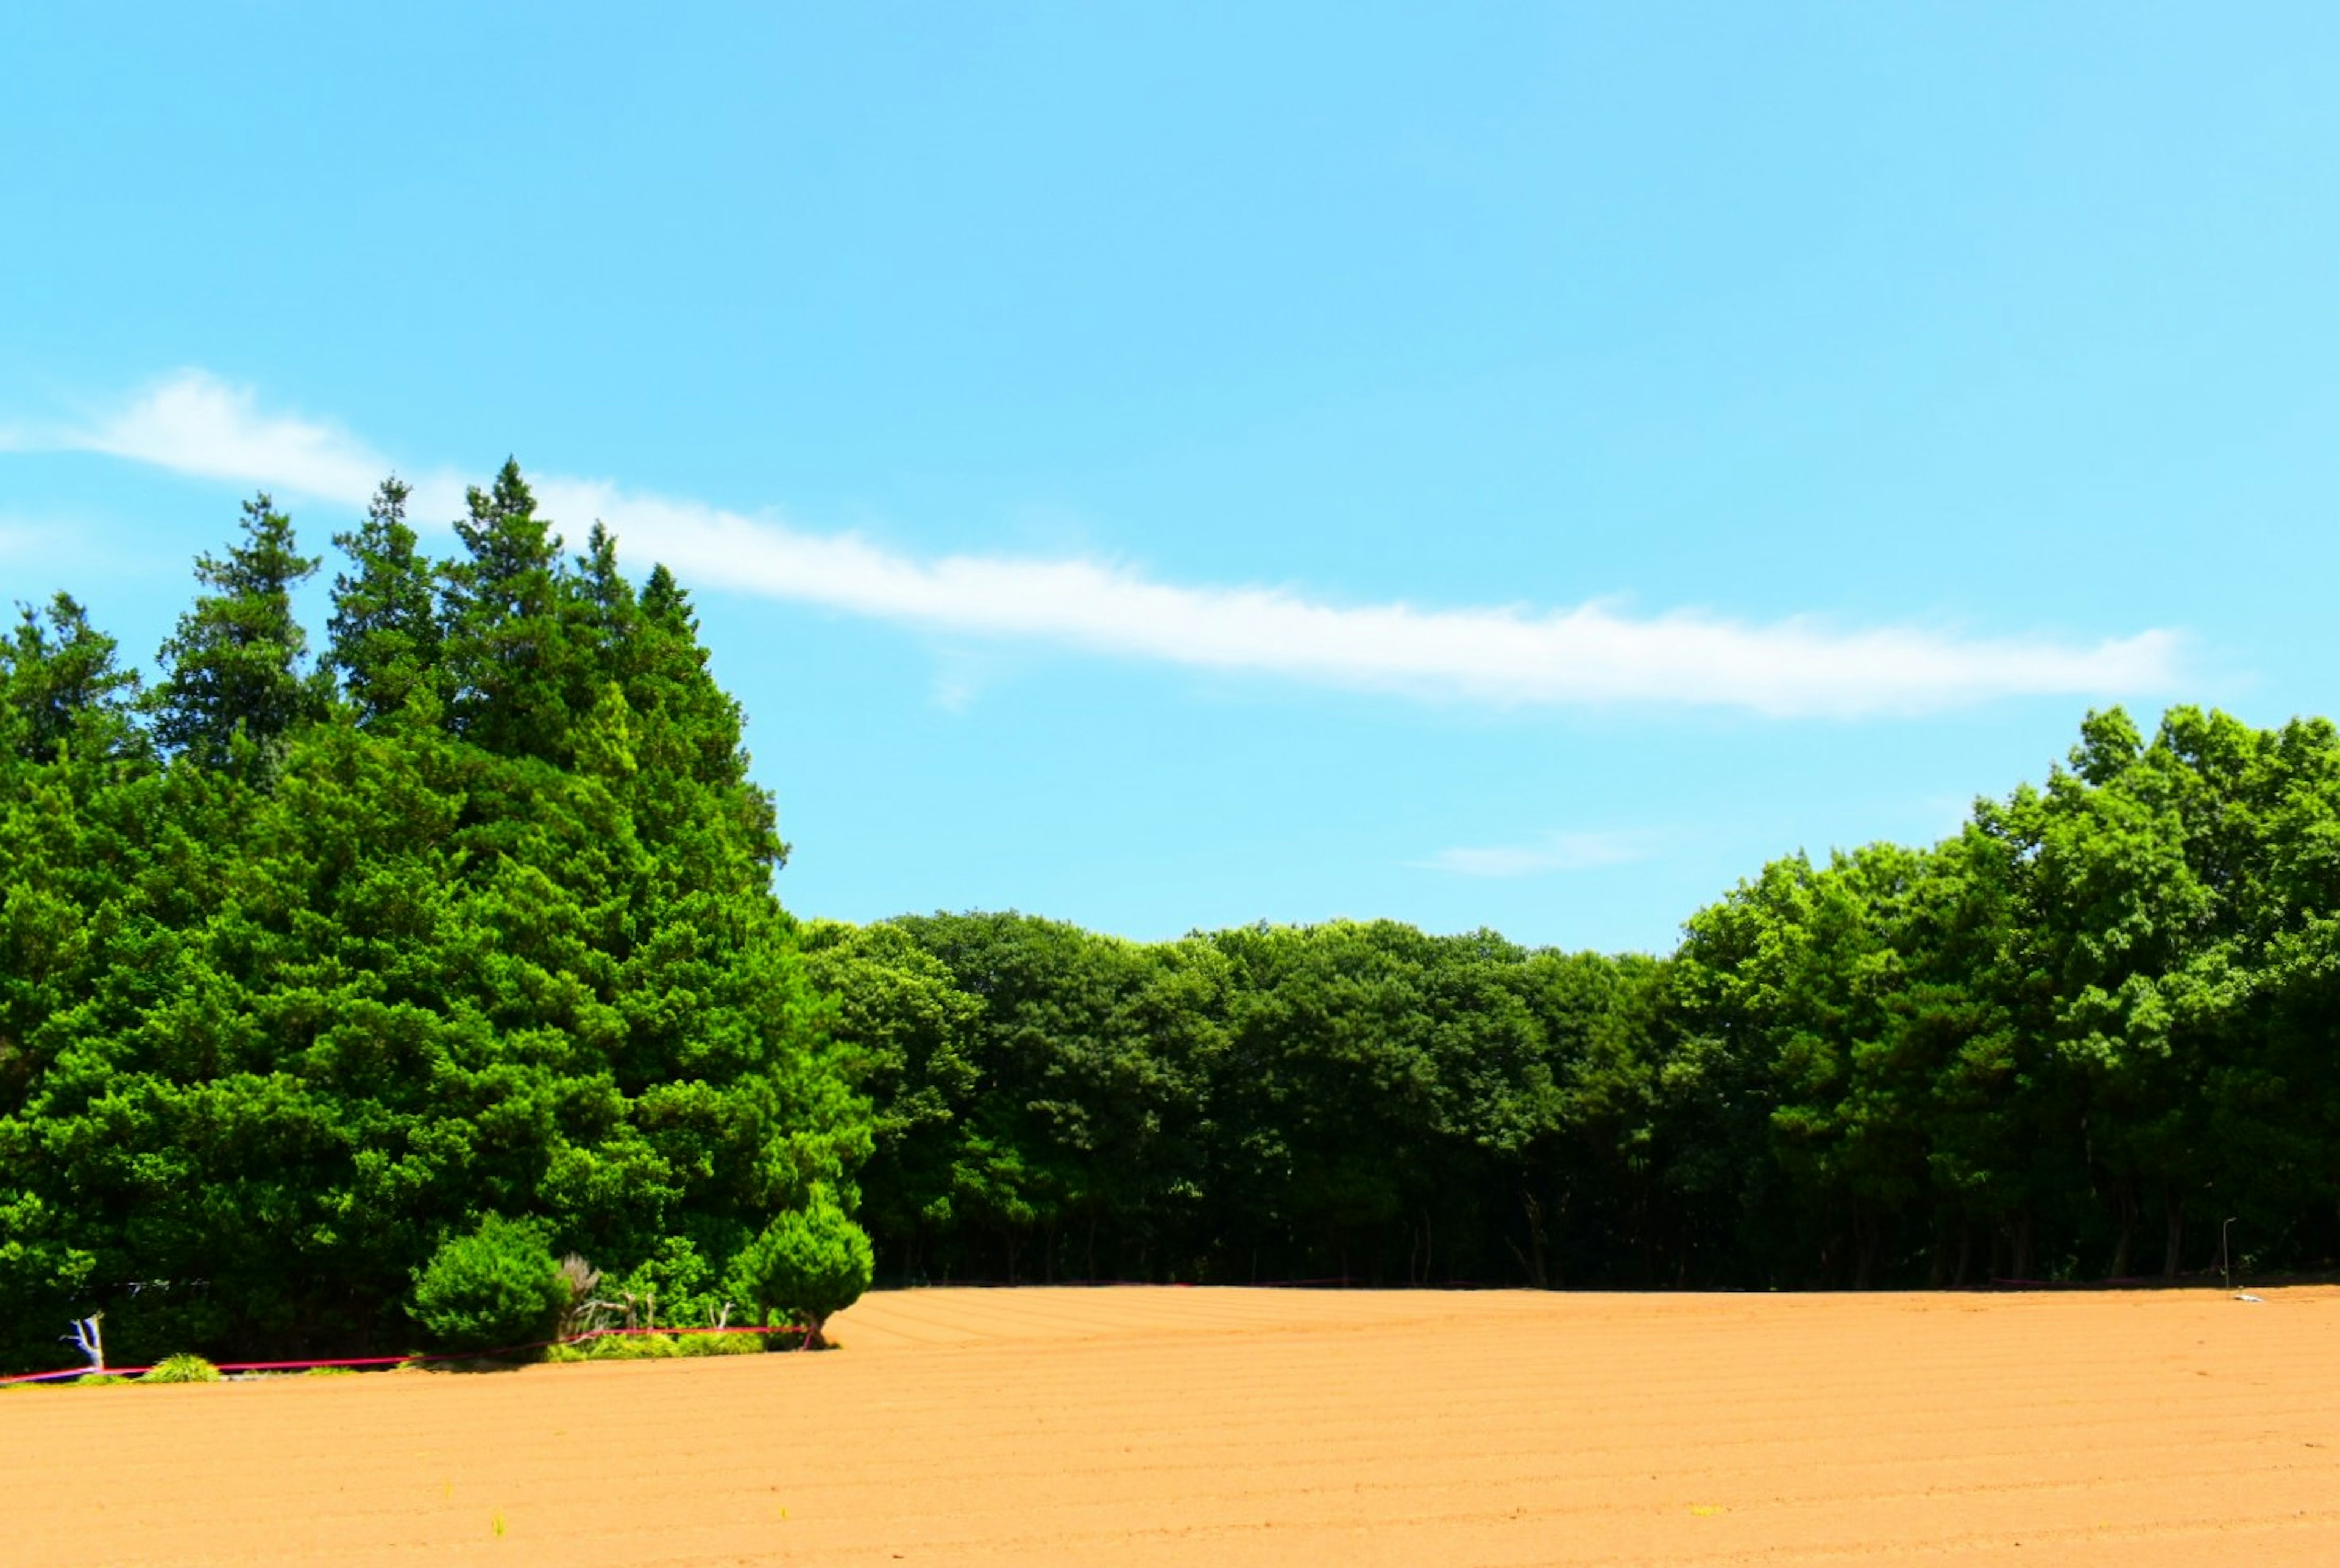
(657,1346)
(676,1283)
(384,637)
(496,1288)
(810,1262)
(720,1344)
(66,694)
(183,1368)
(633,1347)
(302,969)
(2066,1042)
(232,667)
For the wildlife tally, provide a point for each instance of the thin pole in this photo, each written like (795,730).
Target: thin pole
(2225,1269)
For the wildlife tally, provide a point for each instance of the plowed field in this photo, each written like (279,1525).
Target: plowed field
(1234,1426)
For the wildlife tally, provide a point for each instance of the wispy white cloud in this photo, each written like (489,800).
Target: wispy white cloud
(1546,853)
(194,423)
(1590,653)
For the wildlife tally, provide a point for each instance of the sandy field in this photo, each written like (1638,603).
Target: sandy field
(1238,1426)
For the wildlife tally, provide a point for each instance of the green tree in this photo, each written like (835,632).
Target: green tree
(504,639)
(913,1035)
(234,665)
(384,635)
(267,1036)
(65,689)
(807,1265)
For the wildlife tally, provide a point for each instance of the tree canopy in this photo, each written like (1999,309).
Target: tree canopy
(312,967)
(2069,1042)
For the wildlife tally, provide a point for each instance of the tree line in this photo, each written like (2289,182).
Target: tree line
(335,986)
(2069,1042)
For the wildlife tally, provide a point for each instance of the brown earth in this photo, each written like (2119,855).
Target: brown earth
(1240,1427)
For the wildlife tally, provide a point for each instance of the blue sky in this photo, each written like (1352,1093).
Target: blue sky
(1165,467)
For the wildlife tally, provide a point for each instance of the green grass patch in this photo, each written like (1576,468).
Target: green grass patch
(183,1368)
(634,1347)
(720,1344)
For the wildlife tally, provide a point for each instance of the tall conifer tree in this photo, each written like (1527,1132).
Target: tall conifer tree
(65,687)
(234,662)
(384,633)
(504,636)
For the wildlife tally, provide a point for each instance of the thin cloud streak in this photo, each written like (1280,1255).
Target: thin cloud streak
(193,423)
(1592,654)
(1549,853)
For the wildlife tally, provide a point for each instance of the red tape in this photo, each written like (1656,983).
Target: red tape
(78,1372)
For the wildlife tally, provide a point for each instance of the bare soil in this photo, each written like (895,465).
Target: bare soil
(1241,1426)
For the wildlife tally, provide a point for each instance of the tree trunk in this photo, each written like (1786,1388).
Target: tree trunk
(2125,1244)
(2172,1249)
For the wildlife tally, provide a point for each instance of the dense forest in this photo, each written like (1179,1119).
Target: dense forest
(2070,1043)
(319,974)
(311,970)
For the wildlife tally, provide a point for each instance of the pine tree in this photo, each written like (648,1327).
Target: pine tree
(505,644)
(384,633)
(691,727)
(233,663)
(65,689)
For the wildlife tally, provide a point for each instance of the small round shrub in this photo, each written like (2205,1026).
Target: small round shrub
(96,1379)
(807,1264)
(183,1368)
(497,1288)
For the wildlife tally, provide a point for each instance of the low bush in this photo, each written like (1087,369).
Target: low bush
(183,1368)
(657,1346)
(634,1347)
(91,1379)
(720,1344)
(496,1289)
